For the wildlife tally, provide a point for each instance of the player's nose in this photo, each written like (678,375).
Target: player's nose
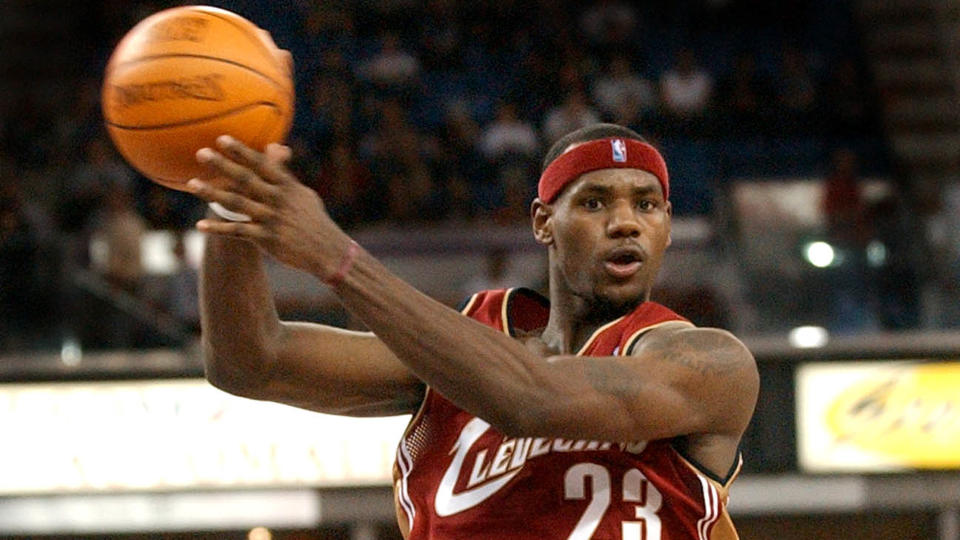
(623,221)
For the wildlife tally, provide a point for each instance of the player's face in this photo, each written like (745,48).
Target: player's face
(609,230)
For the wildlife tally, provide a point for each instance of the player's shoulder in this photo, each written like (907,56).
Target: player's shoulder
(683,335)
(714,366)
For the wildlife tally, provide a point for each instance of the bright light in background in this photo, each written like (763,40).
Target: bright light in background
(819,254)
(876,253)
(808,337)
(70,352)
(259,533)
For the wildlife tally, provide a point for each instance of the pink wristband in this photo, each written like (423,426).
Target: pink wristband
(345,264)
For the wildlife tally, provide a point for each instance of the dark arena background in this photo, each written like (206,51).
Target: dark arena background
(814,153)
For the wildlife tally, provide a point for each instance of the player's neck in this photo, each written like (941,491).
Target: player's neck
(574,319)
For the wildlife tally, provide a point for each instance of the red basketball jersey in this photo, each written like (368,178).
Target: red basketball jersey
(456,477)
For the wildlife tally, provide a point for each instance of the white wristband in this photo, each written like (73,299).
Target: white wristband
(228,215)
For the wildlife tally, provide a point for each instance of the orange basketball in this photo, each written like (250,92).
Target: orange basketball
(183,76)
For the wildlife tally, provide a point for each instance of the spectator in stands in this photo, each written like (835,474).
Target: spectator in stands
(460,138)
(520,191)
(411,196)
(330,110)
(494,274)
(509,138)
(344,183)
(326,27)
(397,155)
(610,24)
(392,67)
(847,231)
(122,229)
(460,162)
(686,89)
(112,311)
(895,258)
(621,94)
(843,204)
(943,231)
(181,292)
(385,145)
(573,113)
(85,189)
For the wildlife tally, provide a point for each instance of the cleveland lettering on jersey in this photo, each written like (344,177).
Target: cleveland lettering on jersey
(492,468)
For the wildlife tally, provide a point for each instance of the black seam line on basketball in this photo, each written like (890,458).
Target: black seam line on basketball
(257,43)
(263,48)
(193,120)
(204,57)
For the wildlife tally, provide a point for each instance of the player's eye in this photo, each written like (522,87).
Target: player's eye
(647,204)
(592,203)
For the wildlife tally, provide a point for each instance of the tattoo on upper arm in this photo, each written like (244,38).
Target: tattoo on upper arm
(707,353)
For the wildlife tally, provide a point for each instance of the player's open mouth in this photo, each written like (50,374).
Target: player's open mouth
(623,262)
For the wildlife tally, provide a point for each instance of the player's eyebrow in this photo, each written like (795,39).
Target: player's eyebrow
(605,190)
(595,189)
(646,191)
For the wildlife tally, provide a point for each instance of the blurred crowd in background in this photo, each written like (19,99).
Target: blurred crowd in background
(440,111)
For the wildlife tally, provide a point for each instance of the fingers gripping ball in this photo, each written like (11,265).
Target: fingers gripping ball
(185,75)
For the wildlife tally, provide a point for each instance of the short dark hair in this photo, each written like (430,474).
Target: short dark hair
(586,134)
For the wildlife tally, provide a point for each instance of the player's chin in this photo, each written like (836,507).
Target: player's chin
(622,295)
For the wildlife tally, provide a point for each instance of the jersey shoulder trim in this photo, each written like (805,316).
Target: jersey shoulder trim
(646,317)
(467,303)
(631,343)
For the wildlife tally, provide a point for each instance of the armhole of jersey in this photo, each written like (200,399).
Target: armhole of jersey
(700,469)
(507,307)
(403,465)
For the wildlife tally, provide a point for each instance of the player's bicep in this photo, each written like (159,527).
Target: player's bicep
(340,371)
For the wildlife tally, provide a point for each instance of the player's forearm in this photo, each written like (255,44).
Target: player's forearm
(237,314)
(480,369)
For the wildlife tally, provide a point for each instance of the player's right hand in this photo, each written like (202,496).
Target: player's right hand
(287,219)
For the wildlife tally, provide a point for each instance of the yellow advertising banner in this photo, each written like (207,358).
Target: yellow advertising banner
(878,416)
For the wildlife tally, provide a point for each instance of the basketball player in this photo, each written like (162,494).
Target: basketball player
(598,414)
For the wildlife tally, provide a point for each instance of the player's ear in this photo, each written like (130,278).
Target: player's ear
(541,217)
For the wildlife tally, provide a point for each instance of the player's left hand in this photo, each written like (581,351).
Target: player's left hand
(287,219)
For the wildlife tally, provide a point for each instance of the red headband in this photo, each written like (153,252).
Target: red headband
(613,153)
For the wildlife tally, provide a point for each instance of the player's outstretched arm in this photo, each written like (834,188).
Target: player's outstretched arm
(248,351)
(657,393)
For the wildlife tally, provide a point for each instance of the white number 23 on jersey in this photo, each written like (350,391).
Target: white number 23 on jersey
(637,490)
